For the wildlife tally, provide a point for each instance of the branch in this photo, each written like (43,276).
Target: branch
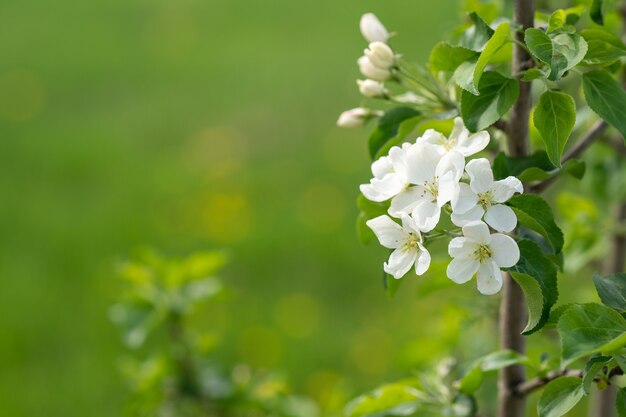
(574,152)
(534,384)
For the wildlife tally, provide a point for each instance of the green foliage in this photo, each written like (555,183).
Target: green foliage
(535,167)
(589,329)
(560,396)
(393,126)
(497,94)
(612,290)
(389,400)
(446,57)
(606,97)
(594,365)
(533,263)
(560,51)
(535,213)
(494,361)
(604,48)
(554,118)
(596,12)
(368,210)
(477,36)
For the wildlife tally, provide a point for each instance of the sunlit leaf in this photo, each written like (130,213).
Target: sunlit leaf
(606,97)
(554,118)
(560,396)
(612,290)
(497,94)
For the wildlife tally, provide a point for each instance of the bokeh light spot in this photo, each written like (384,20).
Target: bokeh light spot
(260,346)
(298,315)
(370,350)
(227,217)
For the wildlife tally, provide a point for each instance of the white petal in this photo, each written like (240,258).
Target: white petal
(504,189)
(398,158)
(467,199)
(371,71)
(405,201)
(388,232)
(504,250)
(422,161)
(501,217)
(468,144)
(481,176)
(372,29)
(459,131)
(489,278)
(478,232)
(400,262)
(462,269)
(409,226)
(451,161)
(448,189)
(426,215)
(381,167)
(472,215)
(423,260)
(460,246)
(382,189)
(431,136)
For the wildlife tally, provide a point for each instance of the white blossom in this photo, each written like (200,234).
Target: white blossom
(407,242)
(390,175)
(371,28)
(371,71)
(484,196)
(356,117)
(481,253)
(371,88)
(460,140)
(377,61)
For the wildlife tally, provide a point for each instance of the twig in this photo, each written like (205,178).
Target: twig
(575,151)
(501,124)
(534,384)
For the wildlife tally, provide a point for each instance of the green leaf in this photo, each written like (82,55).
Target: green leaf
(464,77)
(446,57)
(554,118)
(561,51)
(604,47)
(620,402)
(404,130)
(392,285)
(612,290)
(504,166)
(497,94)
(494,361)
(388,400)
(594,365)
(606,97)
(541,295)
(588,329)
(532,74)
(596,12)
(575,167)
(560,396)
(369,210)
(535,213)
(562,18)
(477,36)
(388,127)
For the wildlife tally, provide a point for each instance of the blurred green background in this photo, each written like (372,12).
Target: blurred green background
(189,125)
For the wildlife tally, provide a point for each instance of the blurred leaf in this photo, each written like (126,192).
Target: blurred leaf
(594,365)
(561,51)
(604,47)
(504,166)
(389,127)
(606,97)
(476,37)
(535,213)
(392,285)
(596,11)
(496,96)
(464,406)
(406,127)
(554,118)
(534,264)
(588,329)
(560,396)
(446,57)
(494,361)
(612,290)
(388,400)
(369,210)
(532,74)
(620,402)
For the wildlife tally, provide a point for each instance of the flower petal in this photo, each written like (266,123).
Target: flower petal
(489,278)
(426,215)
(478,232)
(451,161)
(381,167)
(481,176)
(472,215)
(504,189)
(400,262)
(433,137)
(504,250)
(467,199)
(388,232)
(460,246)
(409,226)
(468,144)
(501,217)
(423,260)
(383,189)
(462,269)
(398,159)
(448,189)
(405,201)
(422,161)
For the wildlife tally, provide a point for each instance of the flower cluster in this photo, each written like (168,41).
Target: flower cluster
(423,178)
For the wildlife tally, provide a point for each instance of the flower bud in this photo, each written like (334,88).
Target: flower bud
(372,71)
(371,88)
(371,28)
(380,55)
(356,117)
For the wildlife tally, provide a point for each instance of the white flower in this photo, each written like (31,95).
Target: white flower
(483,253)
(371,28)
(407,242)
(390,175)
(436,182)
(380,55)
(371,71)
(460,139)
(371,88)
(356,117)
(483,196)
